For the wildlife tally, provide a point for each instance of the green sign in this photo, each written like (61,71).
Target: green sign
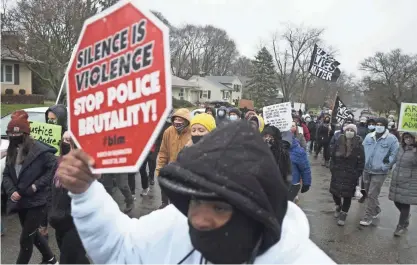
(49,134)
(408,117)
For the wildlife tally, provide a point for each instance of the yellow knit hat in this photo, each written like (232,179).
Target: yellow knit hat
(204,119)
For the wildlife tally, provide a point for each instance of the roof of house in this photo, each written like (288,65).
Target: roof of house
(179,82)
(218,81)
(222,79)
(244,79)
(10,55)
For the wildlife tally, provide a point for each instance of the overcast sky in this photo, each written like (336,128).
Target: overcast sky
(355,28)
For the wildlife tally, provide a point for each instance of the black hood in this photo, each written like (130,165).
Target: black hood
(236,111)
(274,132)
(225,164)
(213,111)
(225,113)
(382,120)
(61,113)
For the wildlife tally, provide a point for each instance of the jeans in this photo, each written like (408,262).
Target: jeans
(131,179)
(144,177)
(326,151)
(373,185)
(345,205)
(311,148)
(30,220)
(71,248)
(121,181)
(404,212)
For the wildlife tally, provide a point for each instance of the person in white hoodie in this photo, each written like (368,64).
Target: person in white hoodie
(229,205)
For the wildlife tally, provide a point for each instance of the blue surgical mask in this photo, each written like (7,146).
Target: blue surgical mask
(233,117)
(371,127)
(379,129)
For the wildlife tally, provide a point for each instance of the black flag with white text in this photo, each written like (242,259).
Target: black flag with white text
(340,112)
(323,65)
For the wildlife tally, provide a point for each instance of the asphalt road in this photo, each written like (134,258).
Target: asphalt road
(349,244)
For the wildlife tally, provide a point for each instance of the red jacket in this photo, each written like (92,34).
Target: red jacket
(306,132)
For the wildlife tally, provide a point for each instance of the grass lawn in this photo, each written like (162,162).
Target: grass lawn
(9,108)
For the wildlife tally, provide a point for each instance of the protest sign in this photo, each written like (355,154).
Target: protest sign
(119,86)
(408,118)
(49,134)
(278,115)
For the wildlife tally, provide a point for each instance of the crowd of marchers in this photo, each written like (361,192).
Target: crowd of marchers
(228,186)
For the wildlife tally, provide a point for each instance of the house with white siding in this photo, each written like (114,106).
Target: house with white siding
(184,90)
(218,88)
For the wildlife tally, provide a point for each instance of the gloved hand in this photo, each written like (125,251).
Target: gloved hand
(305,188)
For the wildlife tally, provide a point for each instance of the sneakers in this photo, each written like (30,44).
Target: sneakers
(152,182)
(129,207)
(399,231)
(342,219)
(144,192)
(337,211)
(51,261)
(365,222)
(358,194)
(134,197)
(362,199)
(296,200)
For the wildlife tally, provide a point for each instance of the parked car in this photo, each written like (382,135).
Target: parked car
(197,111)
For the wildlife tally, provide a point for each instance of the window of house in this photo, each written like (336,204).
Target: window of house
(205,94)
(7,73)
(181,93)
(201,94)
(209,94)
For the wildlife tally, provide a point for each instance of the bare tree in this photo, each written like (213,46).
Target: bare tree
(391,77)
(291,52)
(196,49)
(48,30)
(242,66)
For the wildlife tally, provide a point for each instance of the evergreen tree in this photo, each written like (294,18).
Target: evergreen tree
(263,84)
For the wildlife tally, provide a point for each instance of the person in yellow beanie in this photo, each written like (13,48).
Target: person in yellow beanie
(201,124)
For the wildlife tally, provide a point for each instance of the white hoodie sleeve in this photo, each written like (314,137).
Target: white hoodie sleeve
(110,236)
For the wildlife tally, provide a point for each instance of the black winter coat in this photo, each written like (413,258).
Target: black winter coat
(346,170)
(312,128)
(38,168)
(59,212)
(158,141)
(323,133)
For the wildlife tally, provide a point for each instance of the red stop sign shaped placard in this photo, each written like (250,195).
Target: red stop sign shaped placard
(119,86)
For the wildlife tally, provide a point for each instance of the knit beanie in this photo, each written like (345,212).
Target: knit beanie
(235,111)
(350,126)
(204,119)
(382,120)
(19,122)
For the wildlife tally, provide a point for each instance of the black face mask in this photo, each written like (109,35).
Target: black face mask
(65,148)
(15,140)
(232,243)
(196,138)
(50,121)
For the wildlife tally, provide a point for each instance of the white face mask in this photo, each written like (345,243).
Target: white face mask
(308,120)
(349,134)
(233,117)
(379,129)
(221,112)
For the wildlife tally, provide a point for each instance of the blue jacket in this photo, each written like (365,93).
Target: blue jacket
(381,154)
(300,164)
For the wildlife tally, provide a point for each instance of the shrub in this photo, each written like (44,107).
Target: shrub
(22,99)
(179,103)
(9,91)
(22,92)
